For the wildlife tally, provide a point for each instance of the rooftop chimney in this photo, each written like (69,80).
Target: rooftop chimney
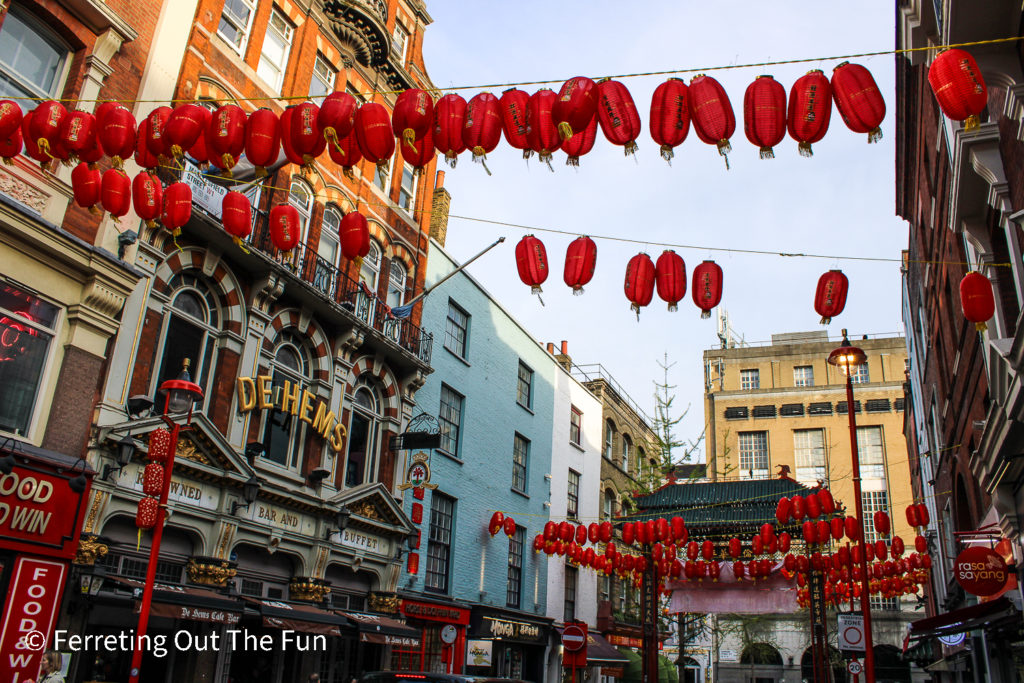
(563,357)
(551,348)
(441,205)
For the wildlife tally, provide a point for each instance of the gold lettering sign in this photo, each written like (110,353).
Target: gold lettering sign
(295,399)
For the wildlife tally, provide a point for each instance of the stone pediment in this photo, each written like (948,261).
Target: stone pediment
(373,506)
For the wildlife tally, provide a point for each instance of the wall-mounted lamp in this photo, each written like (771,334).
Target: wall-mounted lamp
(341,517)
(413,539)
(7,464)
(253,450)
(250,490)
(317,476)
(126,447)
(79,482)
(91,582)
(137,405)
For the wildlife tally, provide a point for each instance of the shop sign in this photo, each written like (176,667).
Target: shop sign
(981,571)
(478,652)
(180,491)
(39,513)
(358,540)
(281,518)
(624,641)
(32,600)
(418,474)
(513,630)
(432,612)
(260,393)
(728,656)
(209,196)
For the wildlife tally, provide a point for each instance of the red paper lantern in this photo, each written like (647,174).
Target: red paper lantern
(44,126)
(812,505)
(796,504)
(657,552)
(117,135)
(617,114)
(809,531)
(767,533)
(514,106)
(373,134)
(413,565)
(449,120)
(290,153)
(882,522)
(413,115)
(86,184)
(707,549)
(510,527)
(628,533)
(284,227)
(897,547)
(921,544)
(782,510)
(784,542)
(236,215)
(156,142)
(789,563)
(737,570)
(837,527)
(482,131)
(354,234)
(880,550)
(852,528)
(830,296)
(757,545)
(304,134)
(764,114)
(858,100)
(550,531)
(580,260)
(147,197)
(581,534)
(32,149)
(575,106)
(922,514)
(346,153)
(959,87)
(496,523)
(810,108)
(147,512)
(670,116)
(977,300)
(706,288)
(822,531)
(711,113)
(538,543)
(177,207)
(419,154)
(159,445)
(593,532)
(10,118)
(912,517)
(579,144)
(92,153)
(116,192)
(184,126)
(337,116)
(541,132)
(735,547)
(225,136)
(606,534)
(828,503)
(153,479)
(143,157)
(678,525)
(77,131)
(11,147)
(199,151)
(639,285)
(670,274)
(661,529)
(692,550)
(532,262)
(642,537)
(262,139)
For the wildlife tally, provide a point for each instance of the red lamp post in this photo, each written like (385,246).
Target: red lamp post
(846,357)
(182,393)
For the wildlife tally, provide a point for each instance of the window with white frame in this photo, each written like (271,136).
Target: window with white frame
(396,283)
(442,520)
(520,461)
(575,425)
(627,452)
(322,83)
(369,271)
(456,331)
(860,374)
(277,45)
(191,325)
(809,454)
(328,251)
(569,612)
(803,376)
(33,59)
(608,505)
(363,437)
(450,419)
(27,326)
(514,591)
(524,386)
(609,438)
(753,455)
(407,193)
(236,22)
(871,453)
(400,42)
(283,432)
(382,176)
(873,501)
(572,505)
(750,379)
(301,197)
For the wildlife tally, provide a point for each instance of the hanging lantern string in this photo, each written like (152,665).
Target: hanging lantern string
(487,86)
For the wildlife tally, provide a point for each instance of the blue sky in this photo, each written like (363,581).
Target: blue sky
(839,202)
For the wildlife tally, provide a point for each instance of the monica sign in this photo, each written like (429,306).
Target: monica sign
(981,571)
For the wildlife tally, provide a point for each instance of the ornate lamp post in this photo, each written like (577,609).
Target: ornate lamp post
(182,393)
(846,358)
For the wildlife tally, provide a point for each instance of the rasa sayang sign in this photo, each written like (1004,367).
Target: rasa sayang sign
(981,571)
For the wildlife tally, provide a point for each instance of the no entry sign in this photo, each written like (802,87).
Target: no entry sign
(573,638)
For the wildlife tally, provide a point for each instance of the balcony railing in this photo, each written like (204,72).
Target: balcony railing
(349,294)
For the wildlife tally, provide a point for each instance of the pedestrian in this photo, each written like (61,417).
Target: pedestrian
(314,678)
(49,668)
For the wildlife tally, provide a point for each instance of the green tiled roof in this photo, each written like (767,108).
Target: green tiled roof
(743,506)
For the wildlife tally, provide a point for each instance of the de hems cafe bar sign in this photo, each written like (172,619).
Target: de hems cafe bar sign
(260,393)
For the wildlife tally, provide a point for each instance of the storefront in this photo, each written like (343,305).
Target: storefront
(441,649)
(506,644)
(379,636)
(42,503)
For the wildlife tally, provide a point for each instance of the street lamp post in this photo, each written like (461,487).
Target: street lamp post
(182,393)
(846,357)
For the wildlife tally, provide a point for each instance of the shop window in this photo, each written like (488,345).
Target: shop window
(191,326)
(450,419)
(27,325)
(236,22)
(442,517)
(363,437)
(283,432)
(277,44)
(33,60)
(322,82)
(514,592)
(456,332)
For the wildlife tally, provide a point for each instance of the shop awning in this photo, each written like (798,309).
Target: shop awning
(297,617)
(599,651)
(382,630)
(186,602)
(987,615)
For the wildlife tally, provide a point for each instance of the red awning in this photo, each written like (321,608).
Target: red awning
(297,617)
(187,602)
(599,651)
(382,630)
(985,615)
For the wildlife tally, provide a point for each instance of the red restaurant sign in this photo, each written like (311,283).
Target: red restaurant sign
(39,513)
(981,571)
(32,600)
(433,612)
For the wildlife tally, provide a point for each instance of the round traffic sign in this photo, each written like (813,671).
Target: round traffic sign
(573,638)
(448,634)
(854,667)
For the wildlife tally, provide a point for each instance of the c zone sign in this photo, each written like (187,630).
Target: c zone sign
(981,571)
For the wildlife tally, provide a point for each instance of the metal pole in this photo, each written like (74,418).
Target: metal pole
(865,593)
(154,555)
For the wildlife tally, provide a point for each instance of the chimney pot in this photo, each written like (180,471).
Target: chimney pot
(551,348)
(565,348)
(440,179)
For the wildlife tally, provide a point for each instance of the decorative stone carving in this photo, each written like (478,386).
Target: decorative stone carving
(366,509)
(308,589)
(90,548)
(266,291)
(210,571)
(188,451)
(23,192)
(102,298)
(385,603)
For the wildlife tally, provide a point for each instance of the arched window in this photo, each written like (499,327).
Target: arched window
(609,438)
(283,432)
(33,60)
(627,452)
(328,251)
(369,273)
(191,324)
(363,437)
(301,197)
(608,505)
(396,283)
